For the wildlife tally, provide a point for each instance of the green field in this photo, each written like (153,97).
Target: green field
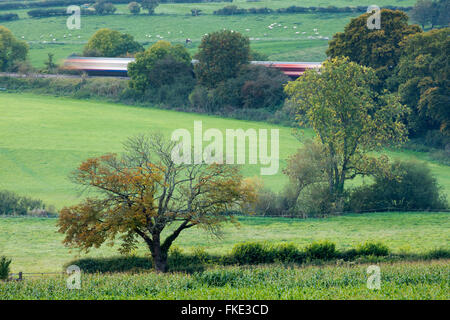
(419,280)
(35,245)
(45,138)
(173,22)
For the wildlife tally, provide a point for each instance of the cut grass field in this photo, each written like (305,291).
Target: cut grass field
(174,23)
(418,280)
(35,245)
(44,138)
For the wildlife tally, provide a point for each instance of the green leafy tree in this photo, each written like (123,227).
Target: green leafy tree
(134,7)
(110,43)
(220,57)
(348,117)
(12,51)
(102,7)
(147,70)
(434,13)
(423,12)
(378,49)
(423,78)
(146,195)
(150,5)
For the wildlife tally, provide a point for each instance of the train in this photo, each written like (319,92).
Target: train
(118,66)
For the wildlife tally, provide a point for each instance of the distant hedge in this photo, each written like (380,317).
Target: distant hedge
(8,17)
(254,253)
(234,10)
(44,13)
(62,3)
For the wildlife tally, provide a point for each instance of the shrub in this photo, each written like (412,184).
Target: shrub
(321,250)
(407,186)
(440,253)
(251,253)
(287,252)
(372,249)
(4,267)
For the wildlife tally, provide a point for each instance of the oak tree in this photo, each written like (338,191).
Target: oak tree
(145,194)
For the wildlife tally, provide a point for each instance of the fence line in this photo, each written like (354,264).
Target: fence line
(20,275)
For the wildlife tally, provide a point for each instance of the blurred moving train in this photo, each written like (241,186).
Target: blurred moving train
(118,66)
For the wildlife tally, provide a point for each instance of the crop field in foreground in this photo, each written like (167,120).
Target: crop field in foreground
(173,22)
(407,232)
(418,280)
(45,138)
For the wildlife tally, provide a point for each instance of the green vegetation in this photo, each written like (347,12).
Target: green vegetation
(422,280)
(12,50)
(406,232)
(4,267)
(279,43)
(13,204)
(378,49)
(110,43)
(56,134)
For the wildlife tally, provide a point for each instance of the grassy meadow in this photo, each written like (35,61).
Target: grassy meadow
(173,22)
(35,245)
(44,138)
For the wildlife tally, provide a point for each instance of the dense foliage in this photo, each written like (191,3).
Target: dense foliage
(220,57)
(405,186)
(4,267)
(348,118)
(12,50)
(111,43)
(161,64)
(423,81)
(429,12)
(378,49)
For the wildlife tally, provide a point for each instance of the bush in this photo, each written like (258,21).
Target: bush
(407,186)
(372,249)
(321,250)
(440,253)
(4,268)
(252,253)
(288,252)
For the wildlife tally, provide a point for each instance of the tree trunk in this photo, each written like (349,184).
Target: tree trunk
(159,255)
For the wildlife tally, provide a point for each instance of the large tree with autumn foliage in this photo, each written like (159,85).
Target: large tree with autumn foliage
(144,192)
